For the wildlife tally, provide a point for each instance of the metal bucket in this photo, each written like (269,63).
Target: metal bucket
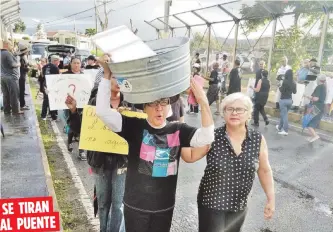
(164,75)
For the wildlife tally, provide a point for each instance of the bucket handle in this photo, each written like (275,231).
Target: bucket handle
(152,62)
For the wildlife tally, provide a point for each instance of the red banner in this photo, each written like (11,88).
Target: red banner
(28,214)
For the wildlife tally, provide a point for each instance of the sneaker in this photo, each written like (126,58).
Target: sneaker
(44,119)
(82,156)
(25,108)
(277,128)
(70,147)
(314,139)
(282,132)
(18,113)
(267,123)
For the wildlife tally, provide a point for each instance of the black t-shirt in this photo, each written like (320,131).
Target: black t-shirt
(320,92)
(153,161)
(214,75)
(92,66)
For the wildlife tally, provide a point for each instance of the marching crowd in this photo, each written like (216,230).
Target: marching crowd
(138,191)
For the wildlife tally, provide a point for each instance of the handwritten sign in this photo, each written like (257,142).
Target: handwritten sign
(92,73)
(96,136)
(59,86)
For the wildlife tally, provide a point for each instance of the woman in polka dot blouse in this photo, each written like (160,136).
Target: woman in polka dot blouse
(237,153)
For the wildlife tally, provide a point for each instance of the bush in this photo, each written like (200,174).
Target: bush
(25,38)
(99,52)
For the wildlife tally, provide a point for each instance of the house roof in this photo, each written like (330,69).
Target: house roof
(51,33)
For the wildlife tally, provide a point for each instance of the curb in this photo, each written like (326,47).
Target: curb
(48,176)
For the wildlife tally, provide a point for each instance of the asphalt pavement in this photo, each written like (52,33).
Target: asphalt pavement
(22,170)
(303,181)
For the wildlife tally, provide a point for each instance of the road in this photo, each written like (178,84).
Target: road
(303,182)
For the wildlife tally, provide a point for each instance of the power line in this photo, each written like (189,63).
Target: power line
(93,8)
(54,24)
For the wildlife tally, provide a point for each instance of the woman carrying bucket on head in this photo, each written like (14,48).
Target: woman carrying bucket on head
(154,153)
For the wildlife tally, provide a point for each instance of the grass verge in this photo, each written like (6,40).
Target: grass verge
(72,212)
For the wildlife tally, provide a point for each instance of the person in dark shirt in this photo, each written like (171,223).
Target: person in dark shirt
(153,157)
(75,68)
(177,111)
(234,79)
(92,63)
(109,168)
(261,96)
(259,72)
(213,89)
(318,100)
(49,69)
(197,59)
(24,68)
(287,88)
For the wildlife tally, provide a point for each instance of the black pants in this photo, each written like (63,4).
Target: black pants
(22,91)
(46,106)
(137,221)
(259,108)
(194,108)
(211,220)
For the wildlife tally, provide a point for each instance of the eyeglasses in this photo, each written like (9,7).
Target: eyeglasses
(230,110)
(161,102)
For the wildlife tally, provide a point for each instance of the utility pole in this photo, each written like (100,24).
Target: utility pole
(96,25)
(167,5)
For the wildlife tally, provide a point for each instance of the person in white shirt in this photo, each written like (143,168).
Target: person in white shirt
(279,77)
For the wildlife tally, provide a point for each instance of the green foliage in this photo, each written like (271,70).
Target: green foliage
(290,42)
(19,27)
(26,38)
(90,32)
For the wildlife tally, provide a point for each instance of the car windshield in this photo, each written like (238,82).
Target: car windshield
(38,49)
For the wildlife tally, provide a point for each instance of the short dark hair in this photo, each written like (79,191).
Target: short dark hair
(91,57)
(313,60)
(237,62)
(264,73)
(197,54)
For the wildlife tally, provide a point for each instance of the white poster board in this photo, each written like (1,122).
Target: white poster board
(123,44)
(92,73)
(329,85)
(59,86)
(250,91)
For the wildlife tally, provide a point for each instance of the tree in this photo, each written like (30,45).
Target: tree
(90,32)
(19,27)
(200,42)
(303,9)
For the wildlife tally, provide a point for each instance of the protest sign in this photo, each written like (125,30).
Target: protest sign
(298,96)
(59,86)
(92,73)
(96,136)
(28,214)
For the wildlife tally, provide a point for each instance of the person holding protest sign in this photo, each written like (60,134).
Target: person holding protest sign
(109,169)
(154,153)
(74,68)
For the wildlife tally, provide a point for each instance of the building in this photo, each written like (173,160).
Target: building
(10,14)
(69,37)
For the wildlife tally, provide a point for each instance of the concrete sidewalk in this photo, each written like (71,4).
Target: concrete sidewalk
(24,170)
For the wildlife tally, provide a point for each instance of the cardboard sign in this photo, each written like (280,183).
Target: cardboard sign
(96,136)
(59,86)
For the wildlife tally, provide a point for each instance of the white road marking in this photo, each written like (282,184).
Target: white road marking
(84,197)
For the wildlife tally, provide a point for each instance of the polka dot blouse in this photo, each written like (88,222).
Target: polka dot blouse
(228,178)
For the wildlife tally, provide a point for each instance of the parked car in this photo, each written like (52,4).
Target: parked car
(61,50)
(83,55)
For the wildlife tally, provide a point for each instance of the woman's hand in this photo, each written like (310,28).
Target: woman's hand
(269,210)
(199,93)
(71,103)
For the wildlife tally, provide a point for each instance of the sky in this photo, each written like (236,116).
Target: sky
(50,11)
